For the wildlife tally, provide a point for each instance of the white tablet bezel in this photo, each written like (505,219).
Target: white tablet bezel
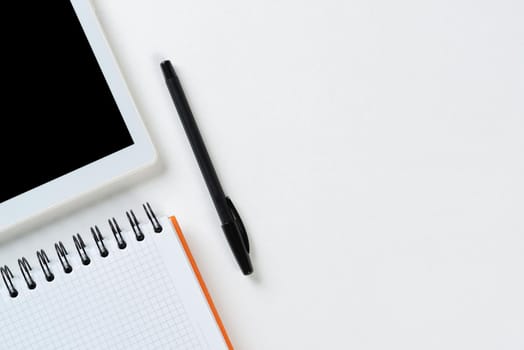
(102,172)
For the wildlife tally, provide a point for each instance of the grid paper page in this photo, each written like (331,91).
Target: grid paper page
(133,299)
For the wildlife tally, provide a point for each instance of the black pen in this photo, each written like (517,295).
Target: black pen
(231,222)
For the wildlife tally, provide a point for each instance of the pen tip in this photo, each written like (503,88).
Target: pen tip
(168,69)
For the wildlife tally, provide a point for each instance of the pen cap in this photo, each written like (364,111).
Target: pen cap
(168,69)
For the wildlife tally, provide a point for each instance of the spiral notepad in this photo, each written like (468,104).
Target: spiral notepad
(111,289)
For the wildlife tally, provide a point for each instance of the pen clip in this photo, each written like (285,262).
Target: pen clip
(238,223)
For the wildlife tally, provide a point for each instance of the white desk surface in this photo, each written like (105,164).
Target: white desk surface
(374,148)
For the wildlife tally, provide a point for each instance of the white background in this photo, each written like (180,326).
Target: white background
(374,149)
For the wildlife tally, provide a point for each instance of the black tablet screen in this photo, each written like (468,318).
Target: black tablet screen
(58,112)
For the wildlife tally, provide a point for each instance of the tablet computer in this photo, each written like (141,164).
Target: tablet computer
(69,125)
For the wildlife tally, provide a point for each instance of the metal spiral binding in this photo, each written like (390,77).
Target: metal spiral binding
(81,248)
(62,253)
(152,217)
(135,225)
(8,276)
(117,232)
(44,264)
(99,240)
(26,269)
